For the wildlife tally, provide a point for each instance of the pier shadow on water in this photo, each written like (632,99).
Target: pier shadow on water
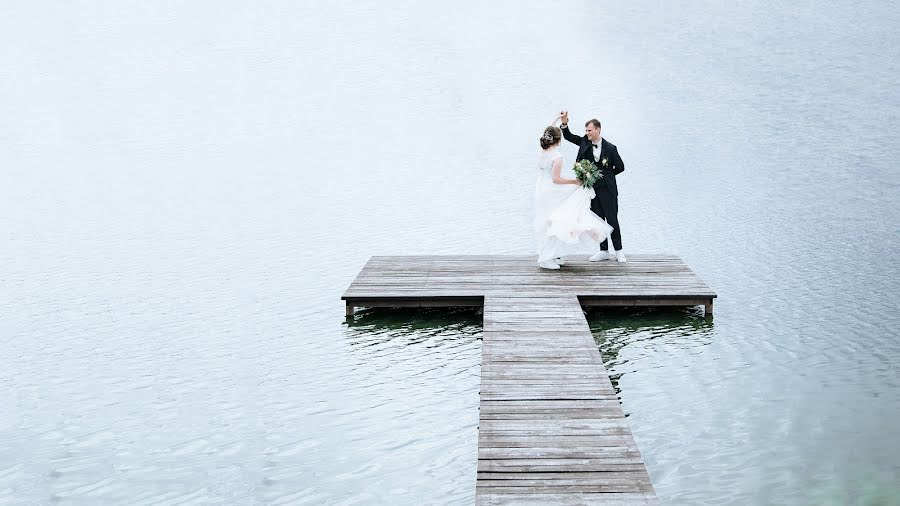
(630,338)
(378,328)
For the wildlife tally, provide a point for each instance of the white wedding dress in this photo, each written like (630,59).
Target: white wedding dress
(564,223)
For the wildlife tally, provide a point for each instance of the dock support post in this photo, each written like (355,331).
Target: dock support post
(350,309)
(708,307)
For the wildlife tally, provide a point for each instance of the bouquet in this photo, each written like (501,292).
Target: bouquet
(587,173)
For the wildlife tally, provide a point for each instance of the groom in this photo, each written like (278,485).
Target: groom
(606,157)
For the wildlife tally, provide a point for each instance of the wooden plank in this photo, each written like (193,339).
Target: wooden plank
(530,405)
(554,395)
(504,498)
(575,426)
(607,489)
(564,413)
(607,481)
(598,476)
(548,385)
(537,452)
(556,441)
(581,357)
(524,376)
(539,354)
(495,385)
(548,390)
(555,465)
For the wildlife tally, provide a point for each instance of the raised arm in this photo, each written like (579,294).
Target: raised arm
(556,172)
(569,136)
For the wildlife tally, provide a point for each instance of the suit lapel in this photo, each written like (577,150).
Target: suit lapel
(586,149)
(604,150)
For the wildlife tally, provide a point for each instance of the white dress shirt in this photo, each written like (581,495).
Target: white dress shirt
(597,149)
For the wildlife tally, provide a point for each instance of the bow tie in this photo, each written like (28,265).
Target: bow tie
(595,145)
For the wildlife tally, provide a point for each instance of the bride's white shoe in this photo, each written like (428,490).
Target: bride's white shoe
(602,255)
(548,265)
(560,261)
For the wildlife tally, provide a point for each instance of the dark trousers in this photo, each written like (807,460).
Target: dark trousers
(606,205)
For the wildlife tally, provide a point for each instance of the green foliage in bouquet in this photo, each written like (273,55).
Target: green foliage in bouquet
(587,173)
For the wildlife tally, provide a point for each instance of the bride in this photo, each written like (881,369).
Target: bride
(563,220)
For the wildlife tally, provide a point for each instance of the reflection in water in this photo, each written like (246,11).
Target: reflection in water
(643,330)
(409,326)
(449,334)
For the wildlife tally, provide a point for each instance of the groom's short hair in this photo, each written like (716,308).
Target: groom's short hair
(595,122)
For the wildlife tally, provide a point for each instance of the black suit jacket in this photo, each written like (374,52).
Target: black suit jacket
(608,151)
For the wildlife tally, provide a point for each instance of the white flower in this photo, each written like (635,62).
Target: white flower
(604,162)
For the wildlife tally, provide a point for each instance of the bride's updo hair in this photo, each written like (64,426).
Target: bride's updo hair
(551,136)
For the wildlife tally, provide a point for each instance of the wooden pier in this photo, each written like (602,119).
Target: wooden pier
(551,428)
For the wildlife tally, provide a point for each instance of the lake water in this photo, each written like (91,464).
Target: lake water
(186,189)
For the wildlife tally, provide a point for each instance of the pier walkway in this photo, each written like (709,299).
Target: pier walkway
(551,429)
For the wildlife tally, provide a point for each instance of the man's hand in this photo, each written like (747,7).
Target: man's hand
(564,116)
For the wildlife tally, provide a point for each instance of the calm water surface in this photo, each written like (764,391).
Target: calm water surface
(186,189)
